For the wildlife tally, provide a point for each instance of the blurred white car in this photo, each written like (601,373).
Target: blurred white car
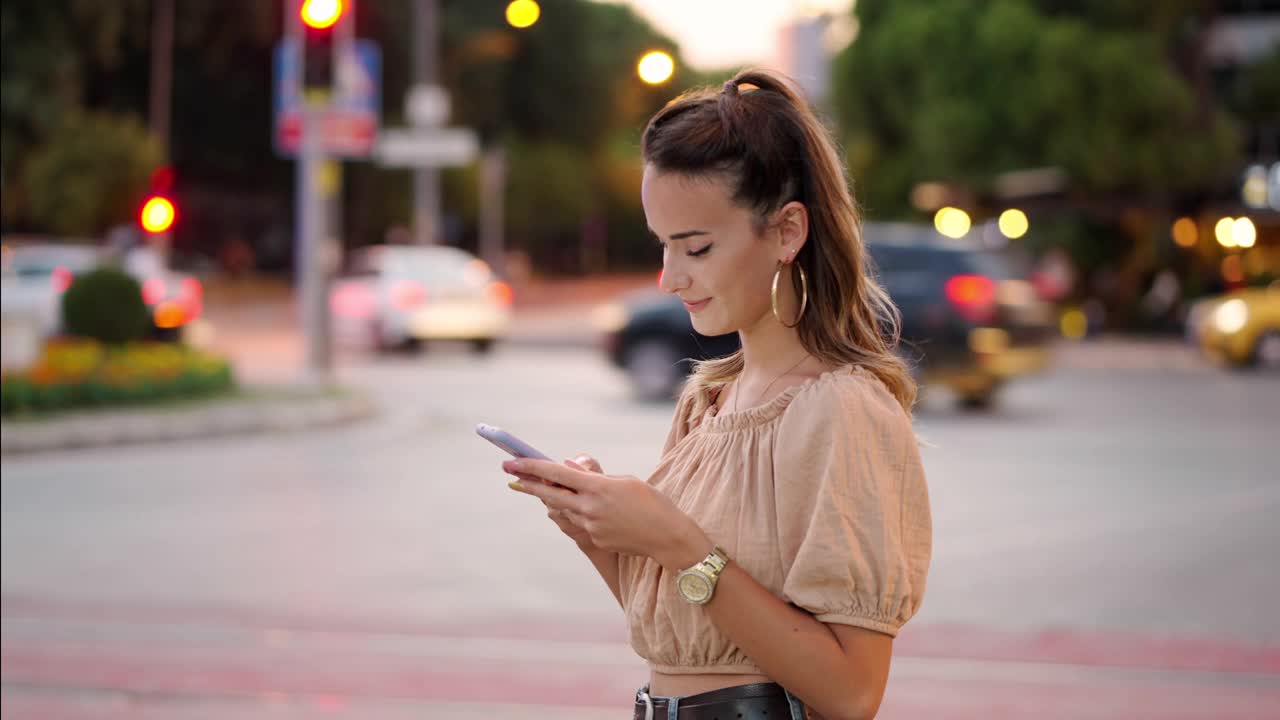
(36,275)
(394,296)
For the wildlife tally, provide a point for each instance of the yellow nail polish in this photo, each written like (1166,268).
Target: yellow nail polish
(515,486)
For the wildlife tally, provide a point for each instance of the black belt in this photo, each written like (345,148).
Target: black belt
(759,701)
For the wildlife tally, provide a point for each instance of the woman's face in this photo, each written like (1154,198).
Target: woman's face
(712,257)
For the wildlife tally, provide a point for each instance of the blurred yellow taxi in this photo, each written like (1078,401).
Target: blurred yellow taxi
(1242,328)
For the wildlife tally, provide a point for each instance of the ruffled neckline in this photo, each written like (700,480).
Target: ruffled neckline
(714,421)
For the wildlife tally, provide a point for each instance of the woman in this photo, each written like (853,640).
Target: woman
(784,538)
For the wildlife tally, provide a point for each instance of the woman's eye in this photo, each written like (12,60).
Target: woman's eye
(699,253)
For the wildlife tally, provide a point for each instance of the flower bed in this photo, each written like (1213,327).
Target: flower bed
(80,373)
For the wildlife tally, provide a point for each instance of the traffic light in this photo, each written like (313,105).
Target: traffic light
(158,214)
(322,20)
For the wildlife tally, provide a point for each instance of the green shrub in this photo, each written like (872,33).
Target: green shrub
(105,305)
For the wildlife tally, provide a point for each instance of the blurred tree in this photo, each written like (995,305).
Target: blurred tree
(47,49)
(91,173)
(960,91)
(564,97)
(563,92)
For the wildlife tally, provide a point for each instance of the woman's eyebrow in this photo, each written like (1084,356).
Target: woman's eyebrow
(680,235)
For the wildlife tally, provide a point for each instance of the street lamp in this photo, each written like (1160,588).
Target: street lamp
(523,13)
(656,67)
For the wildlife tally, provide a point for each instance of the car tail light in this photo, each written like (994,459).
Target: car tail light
(153,291)
(192,289)
(170,314)
(502,292)
(62,278)
(973,296)
(354,301)
(407,295)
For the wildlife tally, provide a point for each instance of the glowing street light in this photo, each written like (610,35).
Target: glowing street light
(1223,232)
(1013,223)
(523,13)
(656,67)
(952,222)
(321,14)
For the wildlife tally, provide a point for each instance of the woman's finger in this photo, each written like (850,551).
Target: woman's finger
(555,497)
(588,463)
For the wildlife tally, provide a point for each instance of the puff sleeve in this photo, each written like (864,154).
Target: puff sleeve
(854,524)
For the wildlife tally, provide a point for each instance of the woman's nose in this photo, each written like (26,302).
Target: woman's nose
(671,280)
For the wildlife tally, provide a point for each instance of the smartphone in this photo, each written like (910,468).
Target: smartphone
(508,442)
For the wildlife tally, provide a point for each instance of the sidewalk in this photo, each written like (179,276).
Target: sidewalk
(178,664)
(254,411)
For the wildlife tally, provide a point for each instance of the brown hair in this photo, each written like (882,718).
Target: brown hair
(760,132)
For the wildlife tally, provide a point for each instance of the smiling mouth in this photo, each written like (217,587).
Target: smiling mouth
(695,306)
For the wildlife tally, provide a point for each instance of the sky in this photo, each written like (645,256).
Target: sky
(715,34)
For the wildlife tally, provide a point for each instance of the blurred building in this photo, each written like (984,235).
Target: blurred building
(804,54)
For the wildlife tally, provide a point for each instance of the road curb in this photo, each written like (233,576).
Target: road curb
(217,418)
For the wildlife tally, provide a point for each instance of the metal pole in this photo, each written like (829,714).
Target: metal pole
(426,181)
(312,238)
(161,72)
(493,183)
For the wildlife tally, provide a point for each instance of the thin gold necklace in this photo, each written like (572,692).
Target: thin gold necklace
(765,393)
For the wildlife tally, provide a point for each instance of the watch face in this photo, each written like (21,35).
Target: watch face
(694,587)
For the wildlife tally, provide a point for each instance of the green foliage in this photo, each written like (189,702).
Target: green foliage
(89,174)
(961,91)
(105,305)
(1256,94)
(570,78)
(48,52)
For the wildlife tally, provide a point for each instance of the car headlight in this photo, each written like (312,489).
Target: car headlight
(609,318)
(1230,317)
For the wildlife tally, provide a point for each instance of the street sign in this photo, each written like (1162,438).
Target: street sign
(427,105)
(436,147)
(350,117)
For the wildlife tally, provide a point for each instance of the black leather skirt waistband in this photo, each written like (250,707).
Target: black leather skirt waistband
(759,701)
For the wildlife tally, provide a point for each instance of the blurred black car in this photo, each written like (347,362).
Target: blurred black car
(969,320)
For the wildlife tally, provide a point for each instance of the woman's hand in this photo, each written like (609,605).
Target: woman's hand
(569,523)
(618,513)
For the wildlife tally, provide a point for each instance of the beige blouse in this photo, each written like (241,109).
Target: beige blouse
(819,495)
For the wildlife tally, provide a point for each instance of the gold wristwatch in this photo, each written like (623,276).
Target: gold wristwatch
(698,583)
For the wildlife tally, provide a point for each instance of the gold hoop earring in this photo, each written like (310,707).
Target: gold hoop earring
(804,296)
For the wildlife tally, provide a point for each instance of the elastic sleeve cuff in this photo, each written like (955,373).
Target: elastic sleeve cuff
(869,623)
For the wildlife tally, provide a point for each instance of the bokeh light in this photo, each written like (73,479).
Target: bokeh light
(1073,324)
(157,215)
(1232,269)
(321,14)
(952,222)
(523,13)
(656,67)
(1243,232)
(1223,232)
(1013,223)
(1185,232)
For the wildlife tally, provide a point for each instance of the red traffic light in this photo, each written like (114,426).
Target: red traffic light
(321,14)
(157,215)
